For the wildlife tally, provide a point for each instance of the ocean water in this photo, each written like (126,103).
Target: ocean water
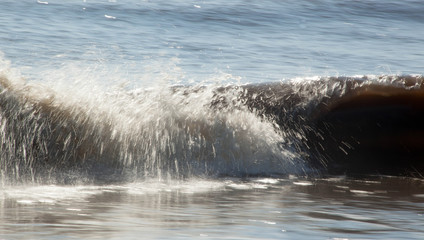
(211,119)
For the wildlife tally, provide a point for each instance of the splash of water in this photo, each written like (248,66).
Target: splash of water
(55,131)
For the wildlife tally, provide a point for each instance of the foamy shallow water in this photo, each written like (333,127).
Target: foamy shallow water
(227,208)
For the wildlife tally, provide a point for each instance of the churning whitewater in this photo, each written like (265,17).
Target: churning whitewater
(55,133)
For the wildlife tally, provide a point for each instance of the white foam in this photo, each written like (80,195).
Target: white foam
(49,194)
(186,187)
(110,17)
(303,183)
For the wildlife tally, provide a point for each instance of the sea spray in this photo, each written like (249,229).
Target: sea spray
(54,133)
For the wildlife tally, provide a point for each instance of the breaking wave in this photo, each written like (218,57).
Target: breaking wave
(47,133)
(81,132)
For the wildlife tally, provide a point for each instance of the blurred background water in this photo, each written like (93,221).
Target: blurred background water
(199,40)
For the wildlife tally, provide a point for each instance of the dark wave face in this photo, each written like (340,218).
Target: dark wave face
(364,125)
(352,125)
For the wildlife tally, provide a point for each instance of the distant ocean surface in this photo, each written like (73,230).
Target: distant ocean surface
(203,40)
(218,119)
